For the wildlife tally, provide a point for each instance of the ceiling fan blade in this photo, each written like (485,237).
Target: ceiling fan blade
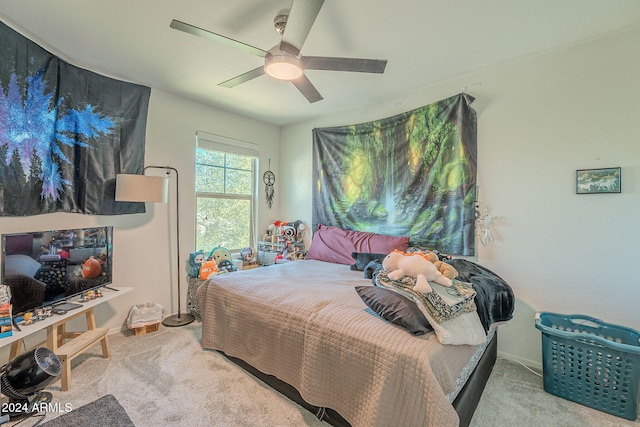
(344,64)
(242,78)
(301,18)
(197,31)
(305,87)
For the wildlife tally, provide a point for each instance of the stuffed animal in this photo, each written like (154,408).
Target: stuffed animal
(193,264)
(226,266)
(222,258)
(400,264)
(447,270)
(219,254)
(208,269)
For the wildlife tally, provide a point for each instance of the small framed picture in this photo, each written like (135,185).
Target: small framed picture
(592,181)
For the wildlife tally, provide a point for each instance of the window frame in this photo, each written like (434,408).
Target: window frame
(226,145)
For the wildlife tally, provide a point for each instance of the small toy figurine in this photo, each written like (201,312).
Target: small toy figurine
(27,318)
(99,293)
(85,297)
(90,295)
(246,254)
(47,311)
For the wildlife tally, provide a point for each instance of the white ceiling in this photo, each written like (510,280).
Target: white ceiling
(425,42)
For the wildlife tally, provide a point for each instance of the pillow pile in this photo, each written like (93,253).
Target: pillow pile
(334,244)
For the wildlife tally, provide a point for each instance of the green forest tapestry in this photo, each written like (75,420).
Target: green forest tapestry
(412,174)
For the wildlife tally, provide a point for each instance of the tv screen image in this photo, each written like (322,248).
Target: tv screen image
(43,268)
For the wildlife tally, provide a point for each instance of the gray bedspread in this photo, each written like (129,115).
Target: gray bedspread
(304,323)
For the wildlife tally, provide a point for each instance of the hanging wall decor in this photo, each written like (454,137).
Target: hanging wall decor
(269,178)
(65,132)
(413,175)
(592,181)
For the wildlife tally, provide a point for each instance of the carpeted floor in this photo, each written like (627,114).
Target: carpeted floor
(514,396)
(166,379)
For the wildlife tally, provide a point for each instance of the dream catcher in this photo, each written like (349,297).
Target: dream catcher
(484,222)
(269,179)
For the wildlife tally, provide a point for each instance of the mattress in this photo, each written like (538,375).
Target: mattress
(304,323)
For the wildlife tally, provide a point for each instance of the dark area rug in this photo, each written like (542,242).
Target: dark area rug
(105,411)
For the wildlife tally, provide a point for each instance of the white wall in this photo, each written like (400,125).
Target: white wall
(539,119)
(144,257)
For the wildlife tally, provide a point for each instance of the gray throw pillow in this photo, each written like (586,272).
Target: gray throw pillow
(395,308)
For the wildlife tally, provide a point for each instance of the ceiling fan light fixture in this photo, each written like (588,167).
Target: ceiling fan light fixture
(283,67)
(284,60)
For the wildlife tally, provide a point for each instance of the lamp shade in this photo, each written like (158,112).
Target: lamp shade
(142,188)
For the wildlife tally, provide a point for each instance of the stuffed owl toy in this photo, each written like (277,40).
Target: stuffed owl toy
(195,261)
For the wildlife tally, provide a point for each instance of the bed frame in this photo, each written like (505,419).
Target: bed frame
(465,403)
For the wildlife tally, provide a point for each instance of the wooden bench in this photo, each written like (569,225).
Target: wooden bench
(78,343)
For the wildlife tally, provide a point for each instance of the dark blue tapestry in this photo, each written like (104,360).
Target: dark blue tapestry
(65,133)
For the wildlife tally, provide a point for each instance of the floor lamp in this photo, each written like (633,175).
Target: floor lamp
(143,188)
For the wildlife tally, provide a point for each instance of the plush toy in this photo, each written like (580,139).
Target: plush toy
(226,266)
(399,264)
(208,269)
(193,264)
(222,258)
(219,254)
(447,270)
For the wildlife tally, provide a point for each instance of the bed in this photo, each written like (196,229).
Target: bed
(303,329)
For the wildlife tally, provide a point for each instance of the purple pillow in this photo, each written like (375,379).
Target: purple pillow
(334,244)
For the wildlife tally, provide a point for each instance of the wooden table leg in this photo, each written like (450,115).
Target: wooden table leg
(53,339)
(91,319)
(106,353)
(16,348)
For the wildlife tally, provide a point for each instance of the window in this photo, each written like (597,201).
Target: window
(225,182)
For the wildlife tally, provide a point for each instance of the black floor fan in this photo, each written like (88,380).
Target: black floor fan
(23,378)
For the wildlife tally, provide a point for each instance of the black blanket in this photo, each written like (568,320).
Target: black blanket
(494,298)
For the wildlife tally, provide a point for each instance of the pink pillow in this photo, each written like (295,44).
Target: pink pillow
(334,244)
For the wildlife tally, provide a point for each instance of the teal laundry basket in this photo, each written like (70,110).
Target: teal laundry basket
(591,362)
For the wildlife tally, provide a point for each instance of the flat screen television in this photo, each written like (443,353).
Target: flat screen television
(43,268)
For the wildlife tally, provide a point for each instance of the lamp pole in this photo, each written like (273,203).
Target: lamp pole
(179,319)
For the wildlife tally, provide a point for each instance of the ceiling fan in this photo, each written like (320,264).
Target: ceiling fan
(284,61)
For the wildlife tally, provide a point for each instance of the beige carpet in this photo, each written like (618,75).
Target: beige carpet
(166,379)
(514,396)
